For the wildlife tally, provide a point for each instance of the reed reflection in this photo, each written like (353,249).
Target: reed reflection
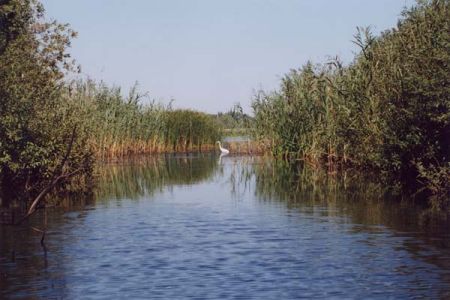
(147,175)
(343,223)
(356,199)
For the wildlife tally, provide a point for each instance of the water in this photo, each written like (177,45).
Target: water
(238,139)
(200,227)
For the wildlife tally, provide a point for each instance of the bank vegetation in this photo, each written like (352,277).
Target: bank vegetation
(53,128)
(387,111)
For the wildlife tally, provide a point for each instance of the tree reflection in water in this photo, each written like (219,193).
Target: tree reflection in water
(354,204)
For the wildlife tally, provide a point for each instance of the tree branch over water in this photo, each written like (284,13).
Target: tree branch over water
(56,179)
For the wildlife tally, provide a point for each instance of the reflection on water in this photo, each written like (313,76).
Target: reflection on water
(144,176)
(210,227)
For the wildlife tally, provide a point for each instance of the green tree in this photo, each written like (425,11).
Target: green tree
(42,136)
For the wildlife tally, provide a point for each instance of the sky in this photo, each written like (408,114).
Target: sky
(210,54)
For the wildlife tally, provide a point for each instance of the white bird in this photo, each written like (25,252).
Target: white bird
(223,150)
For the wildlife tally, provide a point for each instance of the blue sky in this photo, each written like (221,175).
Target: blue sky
(210,54)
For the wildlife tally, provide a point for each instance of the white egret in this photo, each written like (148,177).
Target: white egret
(223,150)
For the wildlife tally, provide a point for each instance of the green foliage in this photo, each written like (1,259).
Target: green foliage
(50,127)
(436,179)
(187,128)
(301,119)
(234,120)
(117,124)
(36,124)
(120,125)
(388,110)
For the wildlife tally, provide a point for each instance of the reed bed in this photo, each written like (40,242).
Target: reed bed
(249,147)
(388,110)
(119,126)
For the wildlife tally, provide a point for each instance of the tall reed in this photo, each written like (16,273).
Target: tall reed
(121,125)
(388,110)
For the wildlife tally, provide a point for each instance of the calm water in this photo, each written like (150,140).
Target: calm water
(200,227)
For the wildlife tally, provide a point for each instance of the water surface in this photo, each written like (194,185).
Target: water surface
(204,227)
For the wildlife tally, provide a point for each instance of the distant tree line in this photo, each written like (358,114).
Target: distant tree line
(234,121)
